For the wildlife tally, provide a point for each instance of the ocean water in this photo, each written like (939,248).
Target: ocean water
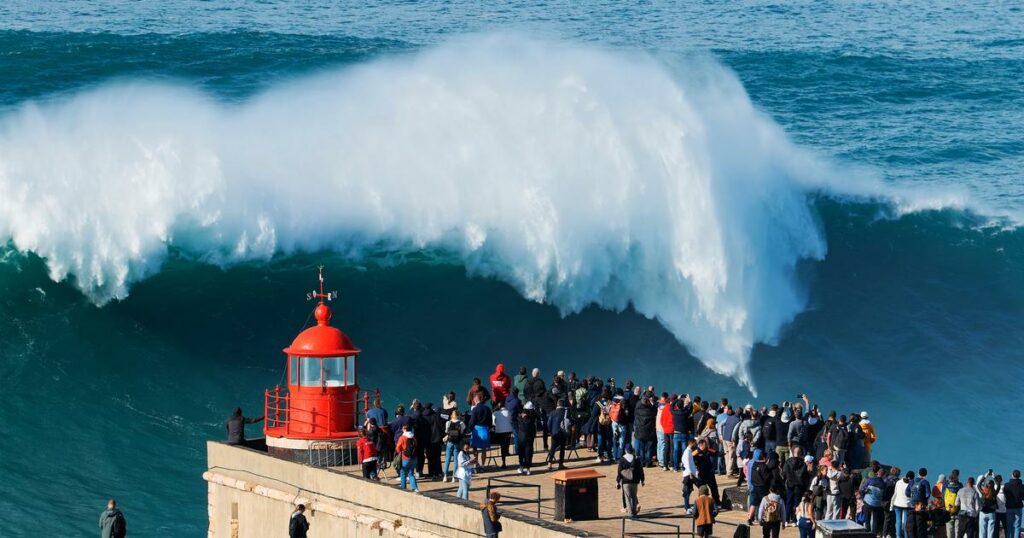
(751,200)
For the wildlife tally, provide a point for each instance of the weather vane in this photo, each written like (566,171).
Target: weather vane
(330,295)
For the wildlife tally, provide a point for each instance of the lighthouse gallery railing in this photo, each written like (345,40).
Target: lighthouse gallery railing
(276,411)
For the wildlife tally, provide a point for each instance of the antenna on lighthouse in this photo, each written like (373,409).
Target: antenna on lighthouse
(330,295)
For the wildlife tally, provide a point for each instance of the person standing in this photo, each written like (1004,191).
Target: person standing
(630,473)
(989,506)
(236,426)
(873,491)
(492,518)
(796,477)
(434,439)
(502,430)
(519,381)
(376,412)
(112,522)
(406,448)
(681,411)
(705,515)
(968,505)
(644,430)
(901,504)
(366,453)
(455,435)
(771,513)
(464,471)
(805,520)
(948,490)
(480,424)
(500,384)
(1013,493)
(527,433)
(298,526)
(557,424)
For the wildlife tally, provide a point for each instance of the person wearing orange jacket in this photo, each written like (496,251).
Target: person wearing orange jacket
(501,383)
(870,436)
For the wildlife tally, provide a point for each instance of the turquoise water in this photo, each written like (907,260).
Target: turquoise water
(802,197)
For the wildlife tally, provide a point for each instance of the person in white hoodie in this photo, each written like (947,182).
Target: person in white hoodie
(900,504)
(771,513)
(689,471)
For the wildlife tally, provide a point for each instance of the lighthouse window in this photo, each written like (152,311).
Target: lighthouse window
(310,372)
(334,372)
(293,369)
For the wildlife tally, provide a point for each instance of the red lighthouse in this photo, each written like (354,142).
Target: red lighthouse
(321,403)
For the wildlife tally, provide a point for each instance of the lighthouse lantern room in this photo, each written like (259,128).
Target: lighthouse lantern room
(321,400)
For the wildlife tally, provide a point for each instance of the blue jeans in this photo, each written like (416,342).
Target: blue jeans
(618,440)
(450,453)
(664,441)
(604,443)
(408,472)
(644,450)
(678,446)
(901,521)
(1013,516)
(464,485)
(987,525)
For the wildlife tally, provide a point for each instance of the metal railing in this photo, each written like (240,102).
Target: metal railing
(512,484)
(653,522)
(277,411)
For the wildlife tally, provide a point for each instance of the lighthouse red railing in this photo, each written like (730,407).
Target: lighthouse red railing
(278,416)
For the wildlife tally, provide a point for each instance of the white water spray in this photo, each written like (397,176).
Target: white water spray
(578,176)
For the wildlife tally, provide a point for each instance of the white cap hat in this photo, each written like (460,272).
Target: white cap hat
(808,459)
(561,373)
(529,405)
(863,414)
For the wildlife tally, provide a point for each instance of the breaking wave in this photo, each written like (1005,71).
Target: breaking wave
(579,176)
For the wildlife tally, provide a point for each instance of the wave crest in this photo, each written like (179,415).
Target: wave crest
(579,176)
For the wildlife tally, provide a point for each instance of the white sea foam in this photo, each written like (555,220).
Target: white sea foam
(579,176)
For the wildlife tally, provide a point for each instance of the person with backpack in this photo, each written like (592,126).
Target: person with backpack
(112,522)
(366,453)
(455,435)
(919,490)
(796,476)
(558,425)
(527,433)
(298,526)
(948,490)
(464,471)
(630,473)
(918,521)
(617,413)
(407,450)
(968,506)
(771,512)
(839,440)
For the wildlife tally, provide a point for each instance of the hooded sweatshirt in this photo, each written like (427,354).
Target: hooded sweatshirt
(899,496)
(501,384)
(869,433)
(968,501)
(107,519)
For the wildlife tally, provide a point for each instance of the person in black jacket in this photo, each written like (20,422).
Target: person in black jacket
(645,430)
(527,431)
(797,477)
(1013,492)
(236,426)
(682,427)
(556,424)
(917,521)
(704,461)
(435,432)
(297,524)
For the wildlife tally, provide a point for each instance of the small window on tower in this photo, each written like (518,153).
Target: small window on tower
(334,372)
(293,369)
(310,371)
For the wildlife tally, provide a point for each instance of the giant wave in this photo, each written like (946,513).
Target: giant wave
(579,176)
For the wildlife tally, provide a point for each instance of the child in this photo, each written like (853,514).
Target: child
(366,452)
(464,471)
(705,516)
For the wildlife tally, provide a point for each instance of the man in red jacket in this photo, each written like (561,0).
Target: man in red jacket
(501,383)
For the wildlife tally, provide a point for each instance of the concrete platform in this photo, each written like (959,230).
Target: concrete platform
(660,498)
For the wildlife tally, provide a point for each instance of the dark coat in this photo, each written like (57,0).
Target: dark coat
(236,427)
(298,526)
(492,520)
(638,471)
(534,390)
(644,424)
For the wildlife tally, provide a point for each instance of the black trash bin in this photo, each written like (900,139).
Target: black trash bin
(576,494)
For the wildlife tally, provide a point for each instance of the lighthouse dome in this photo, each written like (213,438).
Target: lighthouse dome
(321,340)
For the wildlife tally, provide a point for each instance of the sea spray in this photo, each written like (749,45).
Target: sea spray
(579,176)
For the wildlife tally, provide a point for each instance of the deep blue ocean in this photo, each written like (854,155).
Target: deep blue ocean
(753,199)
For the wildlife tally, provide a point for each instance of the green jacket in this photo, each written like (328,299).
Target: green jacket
(107,519)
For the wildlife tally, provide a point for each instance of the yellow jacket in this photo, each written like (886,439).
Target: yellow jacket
(869,434)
